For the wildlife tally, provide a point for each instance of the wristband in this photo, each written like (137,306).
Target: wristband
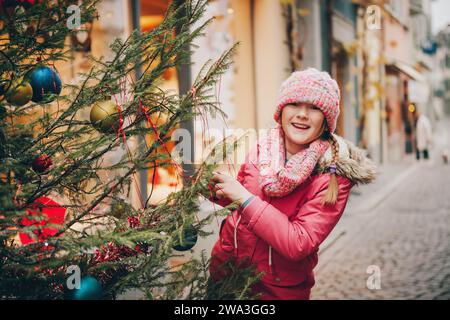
(246,202)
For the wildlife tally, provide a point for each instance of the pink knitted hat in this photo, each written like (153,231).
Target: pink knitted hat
(311,86)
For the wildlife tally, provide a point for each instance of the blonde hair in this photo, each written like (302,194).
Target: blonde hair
(331,194)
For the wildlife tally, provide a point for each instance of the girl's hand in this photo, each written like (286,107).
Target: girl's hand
(228,187)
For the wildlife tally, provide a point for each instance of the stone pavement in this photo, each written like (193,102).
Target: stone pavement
(406,236)
(399,226)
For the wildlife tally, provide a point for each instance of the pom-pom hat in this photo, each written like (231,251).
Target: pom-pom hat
(314,87)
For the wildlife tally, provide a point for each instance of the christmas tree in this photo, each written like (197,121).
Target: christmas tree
(63,211)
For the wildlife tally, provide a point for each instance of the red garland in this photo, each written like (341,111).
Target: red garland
(112,252)
(134,222)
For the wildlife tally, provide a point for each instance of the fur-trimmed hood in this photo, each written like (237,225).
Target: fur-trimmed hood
(352,163)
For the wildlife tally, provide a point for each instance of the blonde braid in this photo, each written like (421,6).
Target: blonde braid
(331,195)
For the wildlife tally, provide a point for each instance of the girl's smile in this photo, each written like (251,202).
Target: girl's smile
(300,126)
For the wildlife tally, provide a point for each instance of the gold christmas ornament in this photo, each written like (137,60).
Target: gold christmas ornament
(19,93)
(120,209)
(105,116)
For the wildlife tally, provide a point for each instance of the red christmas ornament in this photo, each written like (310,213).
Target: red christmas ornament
(54,214)
(42,163)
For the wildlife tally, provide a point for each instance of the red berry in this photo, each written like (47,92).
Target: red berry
(42,163)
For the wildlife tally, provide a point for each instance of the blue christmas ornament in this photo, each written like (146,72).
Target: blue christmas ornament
(189,239)
(431,48)
(90,289)
(44,80)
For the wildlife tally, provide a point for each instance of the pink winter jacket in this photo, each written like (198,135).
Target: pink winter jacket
(281,236)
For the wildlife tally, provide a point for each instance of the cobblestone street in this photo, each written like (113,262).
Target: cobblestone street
(406,234)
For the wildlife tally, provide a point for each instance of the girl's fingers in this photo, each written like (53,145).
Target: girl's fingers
(217,177)
(220,177)
(220,194)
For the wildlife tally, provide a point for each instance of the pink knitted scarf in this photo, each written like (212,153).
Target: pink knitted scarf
(277,178)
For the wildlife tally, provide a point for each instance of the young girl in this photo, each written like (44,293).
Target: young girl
(292,190)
